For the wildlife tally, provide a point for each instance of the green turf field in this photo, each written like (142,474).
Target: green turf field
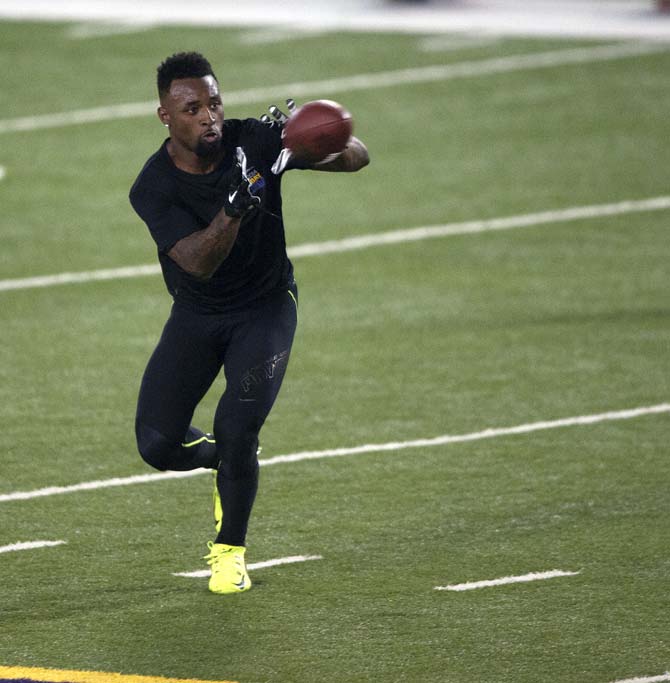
(408,341)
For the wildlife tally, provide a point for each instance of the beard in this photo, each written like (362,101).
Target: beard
(208,149)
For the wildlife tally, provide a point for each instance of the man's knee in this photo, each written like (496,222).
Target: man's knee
(156,449)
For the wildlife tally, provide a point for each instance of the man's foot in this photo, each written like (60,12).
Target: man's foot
(229,572)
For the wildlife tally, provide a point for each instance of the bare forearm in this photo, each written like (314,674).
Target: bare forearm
(354,157)
(202,252)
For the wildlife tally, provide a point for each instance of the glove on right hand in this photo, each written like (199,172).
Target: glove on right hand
(239,200)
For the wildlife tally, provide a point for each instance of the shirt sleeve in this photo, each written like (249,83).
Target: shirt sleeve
(167,222)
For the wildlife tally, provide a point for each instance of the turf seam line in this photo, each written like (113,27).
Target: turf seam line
(373,240)
(29,545)
(202,573)
(646,679)
(505,580)
(383,79)
(443,440)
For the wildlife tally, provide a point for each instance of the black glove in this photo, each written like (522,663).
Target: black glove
(243,192)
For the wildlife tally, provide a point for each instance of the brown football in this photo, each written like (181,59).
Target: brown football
(317,129)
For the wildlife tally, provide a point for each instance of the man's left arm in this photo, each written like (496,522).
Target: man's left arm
(352,158)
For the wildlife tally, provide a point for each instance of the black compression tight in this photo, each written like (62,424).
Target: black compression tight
(253,347)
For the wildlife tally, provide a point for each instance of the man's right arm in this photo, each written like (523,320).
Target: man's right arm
(202,252)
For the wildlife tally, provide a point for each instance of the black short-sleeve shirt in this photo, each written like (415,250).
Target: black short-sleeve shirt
(174,204)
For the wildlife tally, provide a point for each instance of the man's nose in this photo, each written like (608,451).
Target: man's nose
(210,116)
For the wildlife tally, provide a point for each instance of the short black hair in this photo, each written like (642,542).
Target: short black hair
(182,65)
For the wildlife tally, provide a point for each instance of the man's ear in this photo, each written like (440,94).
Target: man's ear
(163,115)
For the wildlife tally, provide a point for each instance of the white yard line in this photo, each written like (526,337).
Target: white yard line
(83,276)
(524,578)
(452,42)
(202,573)
(104,29)
(98,484)
(3,172)
(473,227)
(278,34)
(448,439)
(646,679)
(372,240)
(29,545)
(444,440)
(383,79)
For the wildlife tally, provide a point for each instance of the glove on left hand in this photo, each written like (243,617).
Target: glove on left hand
(279,121)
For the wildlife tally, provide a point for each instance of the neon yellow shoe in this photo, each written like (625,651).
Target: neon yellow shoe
(216,504)
(229,572)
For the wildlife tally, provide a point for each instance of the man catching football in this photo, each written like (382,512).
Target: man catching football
(211,199)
